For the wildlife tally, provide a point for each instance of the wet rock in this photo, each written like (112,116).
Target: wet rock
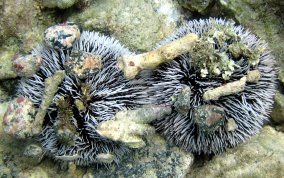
(182,102)
(26,66)
(3,94)
(262,156)
(62,4)
(208,117)
(200,6)
(62,36)
(19,118)
(278,110)
(22,24)
(157,159)
(17,16)
(34,153)
(137,24)
(36,172)
(6,65)
(281,76)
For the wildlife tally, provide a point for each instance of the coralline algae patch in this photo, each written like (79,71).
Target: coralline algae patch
(62,36)
(19,118)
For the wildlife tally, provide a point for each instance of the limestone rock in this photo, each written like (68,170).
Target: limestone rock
(137,24)
(262,156)
(36,172)
(157,159)
(200,6)
(278,111)
(62,4)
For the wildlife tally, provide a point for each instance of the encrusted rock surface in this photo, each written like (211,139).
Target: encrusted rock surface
(137,24)
(262,156)
(278,111)
(200,6)
(157,159)
(62,4)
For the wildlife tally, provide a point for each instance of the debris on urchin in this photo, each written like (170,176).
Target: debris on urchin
(92,91)
(62,36)
(232,79)
(129,126)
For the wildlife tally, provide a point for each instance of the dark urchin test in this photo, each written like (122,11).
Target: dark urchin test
(222,91)
(93,90)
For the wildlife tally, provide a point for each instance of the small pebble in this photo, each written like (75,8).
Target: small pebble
(62,36)
(26,66)
(19,118)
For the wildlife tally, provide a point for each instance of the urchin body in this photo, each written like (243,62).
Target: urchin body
(88,95)
(247,109)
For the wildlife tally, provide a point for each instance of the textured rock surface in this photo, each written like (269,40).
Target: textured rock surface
(21,28)
(137,24)
(36,172)
(157,159)
(200,6)
(6,65)
(262,156)
(21,24)
(278,111)
(62,4)
(281,76)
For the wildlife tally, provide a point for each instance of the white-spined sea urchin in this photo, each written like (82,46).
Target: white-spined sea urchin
(223,59)
(92,91)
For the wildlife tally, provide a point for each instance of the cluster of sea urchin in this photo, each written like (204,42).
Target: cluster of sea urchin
(222,90)
(93,90)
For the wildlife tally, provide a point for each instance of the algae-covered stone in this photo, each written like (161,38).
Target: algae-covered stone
(23,21)
(19,118)
(281,76)
(137,24)
(208,118)
(62,36)
(157,159)
(26,66)
(62,4)
(262,156)
(182,101)
(200,6)
(36,172)
(6,66)
(3,94)
(278,111)
(34,153)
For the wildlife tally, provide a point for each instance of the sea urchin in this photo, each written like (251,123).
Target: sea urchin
(221,91)
(93,90)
